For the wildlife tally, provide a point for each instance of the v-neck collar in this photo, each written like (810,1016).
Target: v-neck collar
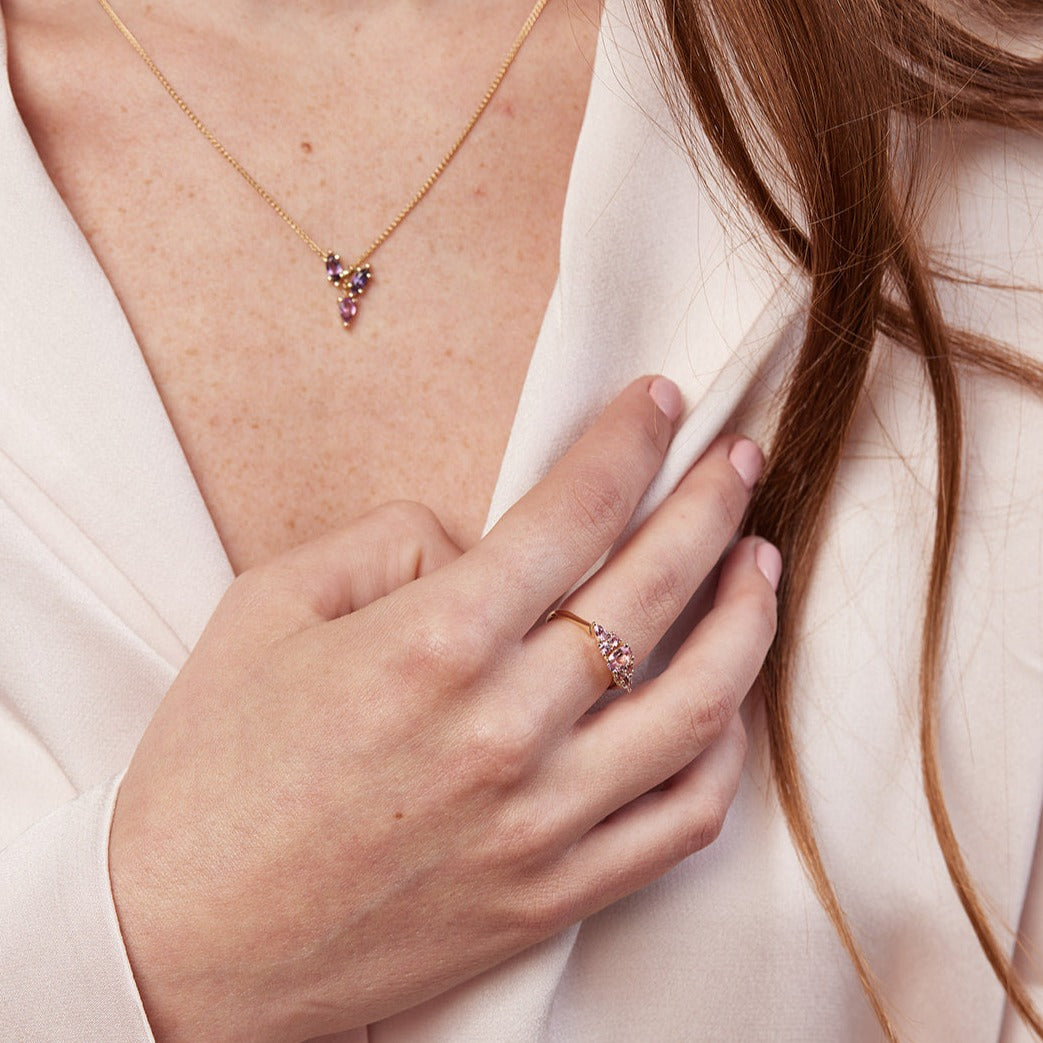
(655,277)
(91,459)
(651,279)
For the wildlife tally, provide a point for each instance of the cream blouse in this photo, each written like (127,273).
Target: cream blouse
(110,566)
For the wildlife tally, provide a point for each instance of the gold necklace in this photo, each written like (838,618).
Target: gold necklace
(350,281)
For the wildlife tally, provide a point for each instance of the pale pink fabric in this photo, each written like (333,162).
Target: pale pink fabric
(109,567)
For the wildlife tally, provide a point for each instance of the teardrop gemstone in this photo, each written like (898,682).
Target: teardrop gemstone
(334,269)
(348,310)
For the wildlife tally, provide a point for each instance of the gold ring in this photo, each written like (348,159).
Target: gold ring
(616,652)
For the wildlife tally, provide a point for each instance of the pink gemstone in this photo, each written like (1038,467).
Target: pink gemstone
(618,657)
(348,310)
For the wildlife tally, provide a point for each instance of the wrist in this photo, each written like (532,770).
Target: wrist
(171,956)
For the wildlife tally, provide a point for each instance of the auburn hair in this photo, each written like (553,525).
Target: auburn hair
(826,135)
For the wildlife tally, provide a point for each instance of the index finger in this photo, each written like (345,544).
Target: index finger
(552,536)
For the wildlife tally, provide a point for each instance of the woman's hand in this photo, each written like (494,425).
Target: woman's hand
(374,779)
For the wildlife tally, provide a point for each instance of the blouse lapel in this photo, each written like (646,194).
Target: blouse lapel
(654,278)
(88,458)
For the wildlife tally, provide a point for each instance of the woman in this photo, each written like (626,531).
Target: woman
(282,868)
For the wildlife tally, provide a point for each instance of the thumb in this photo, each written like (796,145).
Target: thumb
(343,571)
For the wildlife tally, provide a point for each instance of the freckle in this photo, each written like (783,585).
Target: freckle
(398,814)
(306,147)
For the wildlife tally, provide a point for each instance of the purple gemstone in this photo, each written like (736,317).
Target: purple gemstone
(348,310)
(359,279)
(334,269)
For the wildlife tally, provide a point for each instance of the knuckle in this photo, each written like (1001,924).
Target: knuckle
(501,753)
(653,432)
(267,601)
(257,588)
(599,505)
(530,835)
(444,651)
(662,596)
(248,586)
(708,826)
(709,711)
(726,503)
(409,516)
(512,755)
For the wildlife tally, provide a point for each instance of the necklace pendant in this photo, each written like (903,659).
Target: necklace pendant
(352,281)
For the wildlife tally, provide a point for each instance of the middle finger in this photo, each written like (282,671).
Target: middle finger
(643,590)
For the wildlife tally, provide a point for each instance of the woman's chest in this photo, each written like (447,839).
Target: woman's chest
(290,423)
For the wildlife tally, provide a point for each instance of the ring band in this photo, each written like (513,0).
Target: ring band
(617,654)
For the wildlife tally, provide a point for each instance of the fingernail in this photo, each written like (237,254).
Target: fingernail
(748,461)
(667,396)
(769,561)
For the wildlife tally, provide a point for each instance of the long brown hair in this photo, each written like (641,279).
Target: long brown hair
(813,96)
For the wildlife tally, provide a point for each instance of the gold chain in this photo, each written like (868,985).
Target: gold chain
(360,265)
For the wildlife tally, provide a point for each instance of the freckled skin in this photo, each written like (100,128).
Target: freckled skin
(291,425)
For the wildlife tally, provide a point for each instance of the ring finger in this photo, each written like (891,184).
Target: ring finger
(636,743)
(640,593)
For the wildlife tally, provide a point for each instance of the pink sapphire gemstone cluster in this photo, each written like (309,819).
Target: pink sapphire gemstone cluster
(352,281)
(617,656)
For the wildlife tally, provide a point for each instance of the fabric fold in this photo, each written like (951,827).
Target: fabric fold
(696,297)
(79,410)
(67,978)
